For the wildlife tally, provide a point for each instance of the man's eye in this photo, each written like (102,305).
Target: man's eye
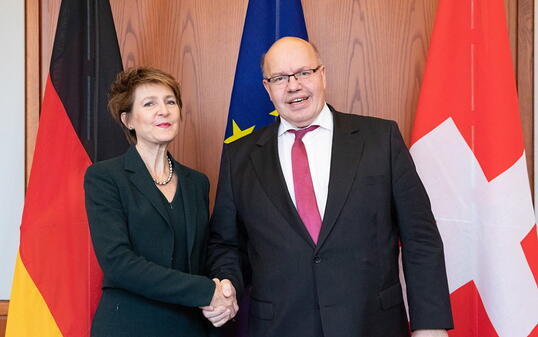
(277,79)
(305,73)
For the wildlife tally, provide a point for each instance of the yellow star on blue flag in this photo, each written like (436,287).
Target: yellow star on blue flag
(238,133)
(266,22)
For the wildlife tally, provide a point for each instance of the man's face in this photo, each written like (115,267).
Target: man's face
(298,101)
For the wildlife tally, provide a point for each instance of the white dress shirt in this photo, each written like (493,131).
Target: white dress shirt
(318,144)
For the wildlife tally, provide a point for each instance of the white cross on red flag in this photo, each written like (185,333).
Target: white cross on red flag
(468,146)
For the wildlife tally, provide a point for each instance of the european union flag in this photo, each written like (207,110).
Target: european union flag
(250,107)
(266,22)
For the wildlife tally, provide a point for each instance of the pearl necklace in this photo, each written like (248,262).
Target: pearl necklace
(170,173)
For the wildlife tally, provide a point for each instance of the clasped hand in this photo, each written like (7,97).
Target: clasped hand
(223,306)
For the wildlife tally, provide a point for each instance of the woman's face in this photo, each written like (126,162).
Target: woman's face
(154,116)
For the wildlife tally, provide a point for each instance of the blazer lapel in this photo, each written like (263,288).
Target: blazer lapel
(347,150)
(141,178)
(189,205)
(267,166)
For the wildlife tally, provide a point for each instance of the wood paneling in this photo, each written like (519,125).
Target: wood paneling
(32,78)
(197,42)
(525,77)
(3,317)
(374,52)
(49,17)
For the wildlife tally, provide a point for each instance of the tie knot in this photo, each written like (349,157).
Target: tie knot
(299,134)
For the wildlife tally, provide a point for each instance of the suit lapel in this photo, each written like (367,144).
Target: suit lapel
(347,150)
(267,166)
(141,178)
(189,195)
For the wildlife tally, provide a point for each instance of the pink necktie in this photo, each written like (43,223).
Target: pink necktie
(305,197)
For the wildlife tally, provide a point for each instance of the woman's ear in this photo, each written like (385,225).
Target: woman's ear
(125,120)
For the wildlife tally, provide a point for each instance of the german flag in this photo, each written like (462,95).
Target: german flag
(57,280)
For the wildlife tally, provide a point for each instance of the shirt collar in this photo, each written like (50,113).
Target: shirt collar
(324,120)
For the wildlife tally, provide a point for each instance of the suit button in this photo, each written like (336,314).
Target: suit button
(317,259)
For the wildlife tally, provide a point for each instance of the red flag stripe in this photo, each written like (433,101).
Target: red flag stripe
(530,248)
(470,317)
(55,243)
(534,332)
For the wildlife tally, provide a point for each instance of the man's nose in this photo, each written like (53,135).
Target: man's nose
(293,83)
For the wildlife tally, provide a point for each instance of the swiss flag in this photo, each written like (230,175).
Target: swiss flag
(468,146)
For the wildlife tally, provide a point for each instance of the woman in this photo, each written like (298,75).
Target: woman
(148,218)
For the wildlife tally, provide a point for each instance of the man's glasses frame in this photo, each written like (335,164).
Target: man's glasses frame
(299,76)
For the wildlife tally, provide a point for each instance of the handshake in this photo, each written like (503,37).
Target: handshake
(223,306)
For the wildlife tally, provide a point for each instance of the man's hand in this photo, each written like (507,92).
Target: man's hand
(223,306)
(429,333)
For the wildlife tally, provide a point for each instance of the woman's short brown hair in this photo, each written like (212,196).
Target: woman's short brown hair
(121,94)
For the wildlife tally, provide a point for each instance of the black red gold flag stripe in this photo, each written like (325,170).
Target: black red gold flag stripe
(56,285)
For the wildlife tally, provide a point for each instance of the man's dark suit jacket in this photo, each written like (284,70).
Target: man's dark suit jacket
(134,240)
(348,284)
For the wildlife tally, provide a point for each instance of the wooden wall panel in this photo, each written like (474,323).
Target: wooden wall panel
(49,17)
(3,317)
(32,79)
(524,61)
(197,42)
(374,51)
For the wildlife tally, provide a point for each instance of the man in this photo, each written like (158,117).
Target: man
(312,209)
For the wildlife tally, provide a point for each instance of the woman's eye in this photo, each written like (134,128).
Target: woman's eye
(171,102)
(148,104)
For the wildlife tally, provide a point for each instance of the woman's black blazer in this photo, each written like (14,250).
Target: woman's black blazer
(134,240)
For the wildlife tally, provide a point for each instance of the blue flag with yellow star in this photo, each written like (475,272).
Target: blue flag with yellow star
(250,107)
(266,22)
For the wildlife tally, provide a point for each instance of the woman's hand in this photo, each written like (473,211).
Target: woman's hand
(223,306)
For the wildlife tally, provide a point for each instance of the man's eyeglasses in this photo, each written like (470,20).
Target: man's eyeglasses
(299,76)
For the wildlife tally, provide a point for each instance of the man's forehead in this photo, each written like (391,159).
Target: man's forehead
(291,59)
(289,54)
